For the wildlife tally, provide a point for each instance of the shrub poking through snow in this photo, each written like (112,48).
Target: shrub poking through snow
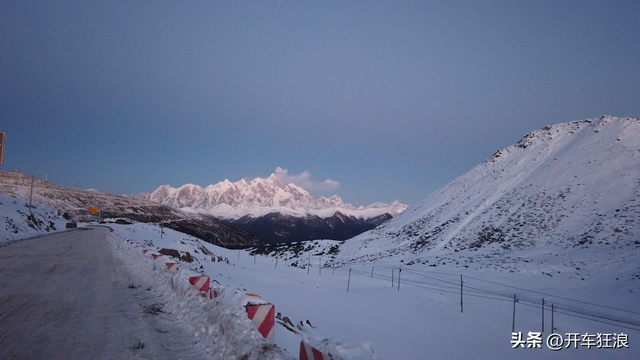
(186,257)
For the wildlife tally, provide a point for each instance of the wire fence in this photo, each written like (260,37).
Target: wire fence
(467,286)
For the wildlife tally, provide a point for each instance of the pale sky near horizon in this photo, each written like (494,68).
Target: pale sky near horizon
(369,100)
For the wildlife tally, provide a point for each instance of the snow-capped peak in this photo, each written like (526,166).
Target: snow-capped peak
(272,178)
(260,196)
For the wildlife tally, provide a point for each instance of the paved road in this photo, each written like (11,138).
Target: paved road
(65,296)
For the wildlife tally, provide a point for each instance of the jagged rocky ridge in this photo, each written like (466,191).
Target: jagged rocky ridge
(276,212)
(75,203)
(565,187)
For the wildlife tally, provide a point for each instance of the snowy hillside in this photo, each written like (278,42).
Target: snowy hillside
(76,202)
(18,220)
(258,197)
(390,310)
(59,197)
(567,187)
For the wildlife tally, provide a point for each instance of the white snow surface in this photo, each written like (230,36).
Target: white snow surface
(569,186)
(421,320)
(220,326)
(18,220)
(258,197)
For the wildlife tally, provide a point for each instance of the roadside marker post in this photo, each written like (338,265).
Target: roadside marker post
(212,293)
(201,283)
(308,352)
(263,317)
(173,267)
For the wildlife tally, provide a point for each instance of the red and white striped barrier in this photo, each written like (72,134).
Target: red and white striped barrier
(213,293)
(308,352)
(263,317)
(173,267)
(200,282)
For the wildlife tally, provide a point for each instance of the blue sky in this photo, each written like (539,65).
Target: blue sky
(388,100)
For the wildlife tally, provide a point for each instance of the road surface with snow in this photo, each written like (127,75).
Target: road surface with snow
(66,296)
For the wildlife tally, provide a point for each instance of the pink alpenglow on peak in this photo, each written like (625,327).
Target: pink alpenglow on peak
(257,197)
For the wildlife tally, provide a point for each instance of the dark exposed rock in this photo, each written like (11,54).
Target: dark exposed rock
(279,228)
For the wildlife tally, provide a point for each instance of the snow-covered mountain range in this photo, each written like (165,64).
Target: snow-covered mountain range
(276,212)
(564,187)
(258,197)
(74,203)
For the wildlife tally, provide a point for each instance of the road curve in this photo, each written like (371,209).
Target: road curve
(65,296)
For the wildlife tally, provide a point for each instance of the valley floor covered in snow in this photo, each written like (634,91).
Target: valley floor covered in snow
(360,311)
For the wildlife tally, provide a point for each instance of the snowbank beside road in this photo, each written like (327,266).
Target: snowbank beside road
(423,317)
(18,220)
(221,265)
(220,327)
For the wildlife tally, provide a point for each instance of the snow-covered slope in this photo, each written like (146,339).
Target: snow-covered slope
(76,202)
(360,311)
(259,197)
(565,187)
(18,220)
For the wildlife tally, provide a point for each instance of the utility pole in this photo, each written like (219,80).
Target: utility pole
(373,267)
(543,315)
(1,147)
(31,193)
(461,309)
(513,321)
(162,222)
